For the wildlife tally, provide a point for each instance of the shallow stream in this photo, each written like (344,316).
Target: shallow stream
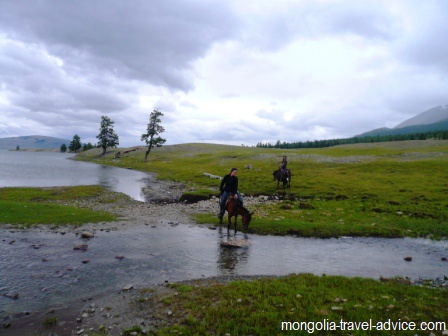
(45,270)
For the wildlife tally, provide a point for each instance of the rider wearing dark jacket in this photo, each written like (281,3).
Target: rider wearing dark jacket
(229,185)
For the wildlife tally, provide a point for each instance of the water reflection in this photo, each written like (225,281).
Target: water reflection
(231,259)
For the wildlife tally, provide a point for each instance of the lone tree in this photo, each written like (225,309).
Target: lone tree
(63,148)
(75,145)
(151,137)
(107,137)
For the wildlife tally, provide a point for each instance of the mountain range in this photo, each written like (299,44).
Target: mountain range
(32,141)
(435,119)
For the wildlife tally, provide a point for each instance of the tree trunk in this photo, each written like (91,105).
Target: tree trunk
(148,151)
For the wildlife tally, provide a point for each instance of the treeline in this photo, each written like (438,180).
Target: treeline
(438,135)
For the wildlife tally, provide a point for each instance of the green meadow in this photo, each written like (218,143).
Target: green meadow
(299,304)
(259,307)
(392,189)
(57,206)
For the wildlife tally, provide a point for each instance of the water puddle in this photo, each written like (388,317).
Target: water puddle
(45,270)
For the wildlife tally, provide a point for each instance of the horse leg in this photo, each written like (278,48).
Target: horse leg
(229,222)
(236,217)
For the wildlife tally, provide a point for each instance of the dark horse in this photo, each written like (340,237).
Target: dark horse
(285,177)
(233,210)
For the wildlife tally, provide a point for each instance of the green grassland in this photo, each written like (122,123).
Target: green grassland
(257,307)
(392,189)
(57,206)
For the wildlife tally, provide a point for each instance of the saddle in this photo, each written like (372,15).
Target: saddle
(238,202)
(229,198)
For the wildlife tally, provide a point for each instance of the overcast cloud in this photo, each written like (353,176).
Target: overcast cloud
(221,71)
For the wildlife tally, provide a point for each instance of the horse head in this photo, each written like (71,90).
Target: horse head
(275,174)
(246,218)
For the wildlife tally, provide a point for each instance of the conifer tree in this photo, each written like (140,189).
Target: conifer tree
(151,137)
(75,145)
(107,137)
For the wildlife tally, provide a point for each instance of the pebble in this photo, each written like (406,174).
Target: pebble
(436,283)
(13,296)
(86,235)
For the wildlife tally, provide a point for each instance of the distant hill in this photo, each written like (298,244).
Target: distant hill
(434,119)
(438,126)
(32,141)
(431,116)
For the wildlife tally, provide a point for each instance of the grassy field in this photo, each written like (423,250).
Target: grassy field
(258,307)
(393,189)
(57,206)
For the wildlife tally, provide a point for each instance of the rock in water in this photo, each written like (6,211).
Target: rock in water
(87,234)
(128,287)
(82,247)
(235,243)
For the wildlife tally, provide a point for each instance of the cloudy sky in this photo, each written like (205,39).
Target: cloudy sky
(229,71)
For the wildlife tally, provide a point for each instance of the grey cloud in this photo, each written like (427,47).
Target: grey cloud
(236,131)
(304,21)
(426,44)
(274,114)
(33,81)
(367,19)
(149,41)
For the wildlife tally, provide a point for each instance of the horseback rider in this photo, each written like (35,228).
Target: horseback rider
(229,185)
(283,164)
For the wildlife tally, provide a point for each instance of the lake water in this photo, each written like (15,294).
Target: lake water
(48,169)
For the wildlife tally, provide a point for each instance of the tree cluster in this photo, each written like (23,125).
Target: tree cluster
(438,135)
(107,137)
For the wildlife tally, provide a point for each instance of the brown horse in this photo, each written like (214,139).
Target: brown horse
(285,178)
(233,210)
